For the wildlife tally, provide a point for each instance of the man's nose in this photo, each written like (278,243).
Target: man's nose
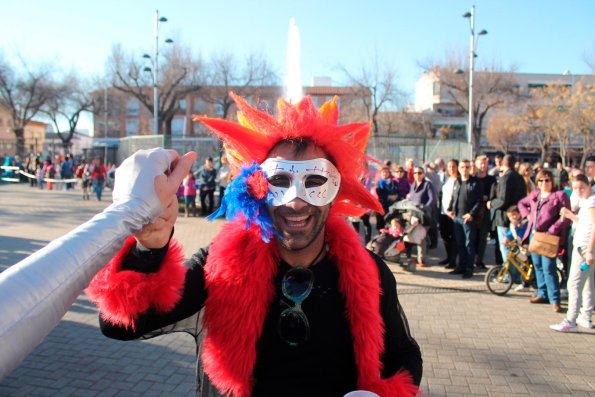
(296,204)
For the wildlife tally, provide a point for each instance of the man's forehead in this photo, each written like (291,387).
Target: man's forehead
(286,151)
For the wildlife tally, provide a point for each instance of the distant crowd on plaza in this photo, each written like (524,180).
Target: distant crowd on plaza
(63,172)
(467,203)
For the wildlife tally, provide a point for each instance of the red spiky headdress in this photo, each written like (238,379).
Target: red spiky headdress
(257,132)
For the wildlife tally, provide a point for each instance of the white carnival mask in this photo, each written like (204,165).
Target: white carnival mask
(315,181)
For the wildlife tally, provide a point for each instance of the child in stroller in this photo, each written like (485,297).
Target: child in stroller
(413,219)
(389,237)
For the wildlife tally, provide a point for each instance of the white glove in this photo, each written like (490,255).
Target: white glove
(135,182)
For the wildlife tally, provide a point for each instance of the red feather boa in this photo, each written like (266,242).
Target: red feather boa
(239,277)
(122,294)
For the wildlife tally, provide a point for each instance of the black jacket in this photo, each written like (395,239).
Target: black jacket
(472,201)
(510,189)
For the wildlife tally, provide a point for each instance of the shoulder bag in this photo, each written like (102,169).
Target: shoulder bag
(544,244)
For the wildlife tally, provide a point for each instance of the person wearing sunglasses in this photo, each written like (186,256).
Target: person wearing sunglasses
(484,223)
(291,303)
(464,209)
(424,193)
(542,208)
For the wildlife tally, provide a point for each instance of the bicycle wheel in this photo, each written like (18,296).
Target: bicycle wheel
(498,280)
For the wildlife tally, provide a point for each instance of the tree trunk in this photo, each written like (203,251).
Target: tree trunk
(20,135)
(167,144)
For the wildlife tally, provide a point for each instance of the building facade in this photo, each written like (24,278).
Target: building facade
(122,115)
(34,135)
(434,97)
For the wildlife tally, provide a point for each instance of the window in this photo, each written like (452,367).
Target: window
(183,104)
(177,126)
(132,107)
(131,127)
(436,88)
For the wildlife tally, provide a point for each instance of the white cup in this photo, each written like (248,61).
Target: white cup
(361,393)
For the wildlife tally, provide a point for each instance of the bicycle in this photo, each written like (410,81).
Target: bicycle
(499,280)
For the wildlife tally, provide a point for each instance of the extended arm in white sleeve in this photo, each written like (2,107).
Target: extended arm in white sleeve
(36,292)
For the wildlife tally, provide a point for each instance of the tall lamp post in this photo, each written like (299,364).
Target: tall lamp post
(155,69)
(472,56)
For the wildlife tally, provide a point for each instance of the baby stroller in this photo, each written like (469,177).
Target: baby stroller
(413,232)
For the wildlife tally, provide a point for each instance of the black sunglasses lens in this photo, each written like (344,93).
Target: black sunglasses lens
(297,284)
(293,327)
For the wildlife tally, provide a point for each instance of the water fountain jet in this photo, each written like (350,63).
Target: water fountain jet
(293,78)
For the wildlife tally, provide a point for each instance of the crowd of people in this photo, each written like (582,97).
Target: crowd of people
(472,203)
(62,172)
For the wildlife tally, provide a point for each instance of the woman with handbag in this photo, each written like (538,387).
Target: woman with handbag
(546,232)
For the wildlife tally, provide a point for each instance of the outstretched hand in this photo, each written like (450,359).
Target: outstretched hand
(156,234)
(146,183)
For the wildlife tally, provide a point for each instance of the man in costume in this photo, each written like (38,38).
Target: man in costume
(291,302)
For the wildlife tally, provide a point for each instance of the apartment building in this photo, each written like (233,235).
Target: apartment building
(34,135)
(434,97)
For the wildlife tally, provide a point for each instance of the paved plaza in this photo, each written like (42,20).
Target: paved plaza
(473,343)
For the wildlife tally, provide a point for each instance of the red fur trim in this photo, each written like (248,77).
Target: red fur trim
(359,282)
(239,280)
(122,294)
(239,272)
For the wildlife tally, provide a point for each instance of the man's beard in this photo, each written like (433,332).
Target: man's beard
(295,240)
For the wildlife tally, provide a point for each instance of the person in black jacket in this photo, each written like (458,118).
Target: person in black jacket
(484,224)
(467,200)
(510,189)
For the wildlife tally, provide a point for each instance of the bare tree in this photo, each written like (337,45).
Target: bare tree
(491,89)
(180,74)
(24,91)
(582,116)
(502,131)
(226,73)
(407,123)
(530,121)
(554,109)
(71,100)
(376,86)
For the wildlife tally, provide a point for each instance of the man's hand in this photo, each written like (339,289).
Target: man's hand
(156,234)
(467,218)
(451,214)
(489,204)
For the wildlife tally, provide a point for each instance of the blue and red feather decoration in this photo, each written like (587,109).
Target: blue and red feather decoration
(246,196)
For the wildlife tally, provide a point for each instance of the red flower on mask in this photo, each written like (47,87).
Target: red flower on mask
(258,186)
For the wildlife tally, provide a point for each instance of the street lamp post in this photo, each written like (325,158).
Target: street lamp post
(472,56)
(155,69)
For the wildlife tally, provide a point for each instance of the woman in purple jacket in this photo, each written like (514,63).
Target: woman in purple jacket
(542,208)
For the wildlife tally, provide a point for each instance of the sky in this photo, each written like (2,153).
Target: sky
(532,36)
